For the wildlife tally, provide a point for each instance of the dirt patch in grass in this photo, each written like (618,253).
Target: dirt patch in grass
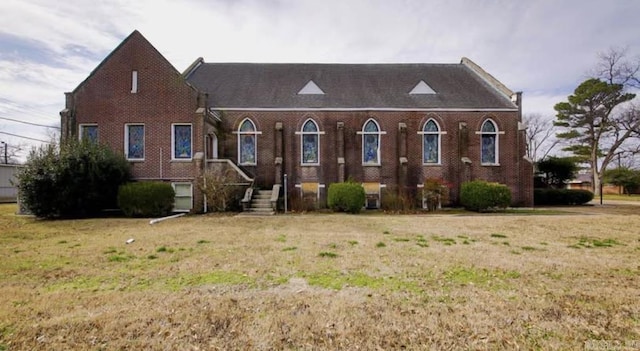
(321,282)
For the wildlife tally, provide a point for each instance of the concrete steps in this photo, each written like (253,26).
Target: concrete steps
(261,204)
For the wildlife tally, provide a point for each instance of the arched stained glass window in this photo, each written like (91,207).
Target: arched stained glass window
(431,143)
(489,142)
(310,141)
(371,143)
(247,142)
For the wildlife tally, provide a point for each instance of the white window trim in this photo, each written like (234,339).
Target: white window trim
(173,142)
(126,141)
(497,134)
(440,133)
(379,133)
(302,133)
(213,139)
(82,125)
(255,133)
(173,185)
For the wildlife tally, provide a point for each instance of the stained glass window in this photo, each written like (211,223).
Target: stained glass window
(135,141)
(89,133)
(431,142)
(310,142)
(247,142)
(489,136)
(371,143)
(182,141)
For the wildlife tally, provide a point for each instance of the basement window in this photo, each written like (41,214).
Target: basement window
(183,201)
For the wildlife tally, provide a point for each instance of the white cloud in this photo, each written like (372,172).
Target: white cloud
(543,48)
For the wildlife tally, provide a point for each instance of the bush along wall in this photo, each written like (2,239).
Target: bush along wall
(480,196)
(545,197)
(346,197)
(146,199)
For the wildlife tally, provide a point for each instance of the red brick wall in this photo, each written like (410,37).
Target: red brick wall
(162,98)
(511,171)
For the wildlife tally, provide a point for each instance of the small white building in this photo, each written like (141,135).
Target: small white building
(8,183)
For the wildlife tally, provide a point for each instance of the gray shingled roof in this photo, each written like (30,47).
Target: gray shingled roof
(258,85)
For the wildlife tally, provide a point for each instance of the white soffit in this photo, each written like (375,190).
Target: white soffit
(311,88)
(422,88)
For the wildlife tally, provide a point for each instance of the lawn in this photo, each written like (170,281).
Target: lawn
(632,197)
(323,281)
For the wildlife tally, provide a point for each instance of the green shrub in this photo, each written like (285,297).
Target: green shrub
(79,179)
(561,197)
(479,195)
(346,197)
(146,199)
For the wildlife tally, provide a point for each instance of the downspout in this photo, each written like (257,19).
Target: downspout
(204,197)
(520,128)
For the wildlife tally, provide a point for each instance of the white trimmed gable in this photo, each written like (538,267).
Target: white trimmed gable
(311,88)
(422,88)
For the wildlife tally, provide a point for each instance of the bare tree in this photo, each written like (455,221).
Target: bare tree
(628,154)
(541,138)
(10,152)
(615,67)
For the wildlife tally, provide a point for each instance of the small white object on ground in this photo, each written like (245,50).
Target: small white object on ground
(154,221)
(130,241)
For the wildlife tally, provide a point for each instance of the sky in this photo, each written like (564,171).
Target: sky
(543,48)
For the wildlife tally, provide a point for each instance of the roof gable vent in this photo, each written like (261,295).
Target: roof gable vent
(311,88)
(422,88)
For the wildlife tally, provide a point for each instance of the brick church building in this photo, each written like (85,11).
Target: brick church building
(387,126)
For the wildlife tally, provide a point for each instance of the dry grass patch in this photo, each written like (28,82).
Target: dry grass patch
(320,282)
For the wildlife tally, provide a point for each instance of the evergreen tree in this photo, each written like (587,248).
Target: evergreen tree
(593,130)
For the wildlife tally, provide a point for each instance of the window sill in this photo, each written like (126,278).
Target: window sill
(310,164)
(247,164)
(490,164)
(432,164)
(371,165)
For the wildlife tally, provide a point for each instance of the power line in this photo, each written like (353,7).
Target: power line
(31,123)
(26,137)
(24,108)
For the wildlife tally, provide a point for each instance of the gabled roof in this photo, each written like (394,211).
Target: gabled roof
(347,86)
(135,38)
